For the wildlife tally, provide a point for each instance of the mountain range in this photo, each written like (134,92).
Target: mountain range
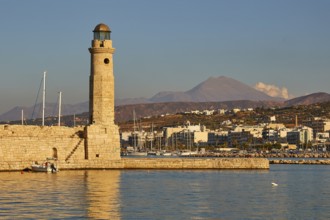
(219,92)
(214,89)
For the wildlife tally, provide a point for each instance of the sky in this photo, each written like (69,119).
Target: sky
(280,46)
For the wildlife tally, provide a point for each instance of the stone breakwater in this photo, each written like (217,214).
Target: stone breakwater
(301,162)
(209,163)
(92,147)
(265,155)
(152,163)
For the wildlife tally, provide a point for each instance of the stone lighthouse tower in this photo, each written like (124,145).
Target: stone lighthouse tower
(103,140)
(101,106)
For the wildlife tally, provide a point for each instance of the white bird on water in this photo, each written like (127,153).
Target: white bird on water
(274,184)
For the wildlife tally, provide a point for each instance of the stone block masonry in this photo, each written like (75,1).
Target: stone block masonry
(172,163)
(92,147)
(190,163)
(21,146)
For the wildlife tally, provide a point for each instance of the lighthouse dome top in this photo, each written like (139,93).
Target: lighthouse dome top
(102,28)
(102,32)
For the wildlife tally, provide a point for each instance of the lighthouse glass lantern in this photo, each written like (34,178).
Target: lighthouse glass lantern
(102,32)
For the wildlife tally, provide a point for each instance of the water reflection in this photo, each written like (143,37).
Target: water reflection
(67,194)
(302,193)
(102,194)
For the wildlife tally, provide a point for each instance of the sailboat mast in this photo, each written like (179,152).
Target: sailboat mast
(43,99)
(152,134)
(134,140)
(22,116)
(59,107)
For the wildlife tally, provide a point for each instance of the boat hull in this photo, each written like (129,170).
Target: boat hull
(137,154)
(41,168)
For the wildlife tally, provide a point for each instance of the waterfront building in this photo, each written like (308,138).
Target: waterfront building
(270,135)
(254,130)
(184,135)
(318,125)
(170,135)
(301,135)
(200,138)
(240,138)
(216,138)
(322,137)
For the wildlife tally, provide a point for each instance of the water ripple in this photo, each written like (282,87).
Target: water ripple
(302,193)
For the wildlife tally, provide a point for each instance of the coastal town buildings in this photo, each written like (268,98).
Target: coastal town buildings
(299,136)
(318,125)
(234,135)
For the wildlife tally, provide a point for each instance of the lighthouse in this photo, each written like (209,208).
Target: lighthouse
(101,91)
(102,134)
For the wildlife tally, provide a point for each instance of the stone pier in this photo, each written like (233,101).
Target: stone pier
(152,163)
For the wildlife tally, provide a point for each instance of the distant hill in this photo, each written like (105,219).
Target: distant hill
(213,93)
(50,110)
(215,89)
(125,112)
(309,99)
(131,101)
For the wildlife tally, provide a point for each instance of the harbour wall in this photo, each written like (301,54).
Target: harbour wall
(92,147)
(301,162)
(23,145)
(155,163)
(193,163)
(20,145)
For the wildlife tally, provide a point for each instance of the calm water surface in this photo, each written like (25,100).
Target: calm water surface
(303,192)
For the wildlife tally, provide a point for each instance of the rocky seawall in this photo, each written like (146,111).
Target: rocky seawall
(301,162)
(265,155)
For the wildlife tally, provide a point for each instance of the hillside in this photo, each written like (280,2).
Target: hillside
(215,89)
(50,110)
(124,113)
(213,93)
(309,99)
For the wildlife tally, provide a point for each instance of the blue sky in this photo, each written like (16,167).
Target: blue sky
(170,45)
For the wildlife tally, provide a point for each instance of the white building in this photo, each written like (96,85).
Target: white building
(235,110)
(255,130)
(300,135)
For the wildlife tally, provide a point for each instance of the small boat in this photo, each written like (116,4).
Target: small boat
(153,153)
(137,153)
(45,167)
(188,153)
(166,154)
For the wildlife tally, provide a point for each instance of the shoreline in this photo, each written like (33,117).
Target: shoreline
(302,155)
(300,162)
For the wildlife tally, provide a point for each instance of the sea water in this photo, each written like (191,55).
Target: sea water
(302,192)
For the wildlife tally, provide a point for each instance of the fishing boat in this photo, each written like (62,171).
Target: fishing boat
(47,166)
